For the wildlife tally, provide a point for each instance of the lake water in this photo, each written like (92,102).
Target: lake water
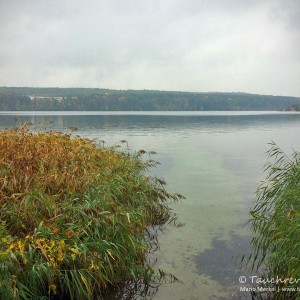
(215,159)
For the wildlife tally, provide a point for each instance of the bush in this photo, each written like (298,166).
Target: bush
(75,218)
(276,222)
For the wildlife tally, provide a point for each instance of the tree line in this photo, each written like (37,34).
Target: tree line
(88,99)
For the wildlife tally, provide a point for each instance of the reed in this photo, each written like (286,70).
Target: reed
(76,219)
(275,223)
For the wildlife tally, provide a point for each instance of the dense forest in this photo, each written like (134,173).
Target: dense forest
(89,99)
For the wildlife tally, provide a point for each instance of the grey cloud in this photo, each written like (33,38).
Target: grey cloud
(197,45)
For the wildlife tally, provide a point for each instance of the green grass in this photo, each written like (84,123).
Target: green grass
(76,219)
(275,222)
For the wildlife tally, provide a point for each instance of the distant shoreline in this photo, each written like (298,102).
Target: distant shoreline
(85,99)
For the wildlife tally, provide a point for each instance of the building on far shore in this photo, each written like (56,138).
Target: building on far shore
(36,97)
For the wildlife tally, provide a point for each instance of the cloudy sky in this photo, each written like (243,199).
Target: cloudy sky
(184,45)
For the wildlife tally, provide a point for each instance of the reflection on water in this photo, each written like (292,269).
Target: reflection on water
(218,261)
(164,124)
(216,161)
(132,291)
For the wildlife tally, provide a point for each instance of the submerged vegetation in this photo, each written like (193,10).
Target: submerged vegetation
(276,224)
(76,218)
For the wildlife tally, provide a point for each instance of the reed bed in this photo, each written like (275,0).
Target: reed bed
(275,224)
(76,219)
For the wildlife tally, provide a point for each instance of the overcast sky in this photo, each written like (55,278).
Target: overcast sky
(184,45)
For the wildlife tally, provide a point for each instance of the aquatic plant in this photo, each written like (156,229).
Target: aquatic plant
(275,224)
(76,219)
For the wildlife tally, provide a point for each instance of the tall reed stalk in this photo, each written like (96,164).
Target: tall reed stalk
(275,223)
(75,218)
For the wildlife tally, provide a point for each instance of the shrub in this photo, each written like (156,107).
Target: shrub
(75,218)
(276,222)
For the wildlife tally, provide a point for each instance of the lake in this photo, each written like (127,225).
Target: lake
(216,160)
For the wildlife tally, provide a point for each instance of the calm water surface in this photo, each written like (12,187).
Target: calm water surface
(215,159)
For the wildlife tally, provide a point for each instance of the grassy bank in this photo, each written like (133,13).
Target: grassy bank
(76,219)
(276,224)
